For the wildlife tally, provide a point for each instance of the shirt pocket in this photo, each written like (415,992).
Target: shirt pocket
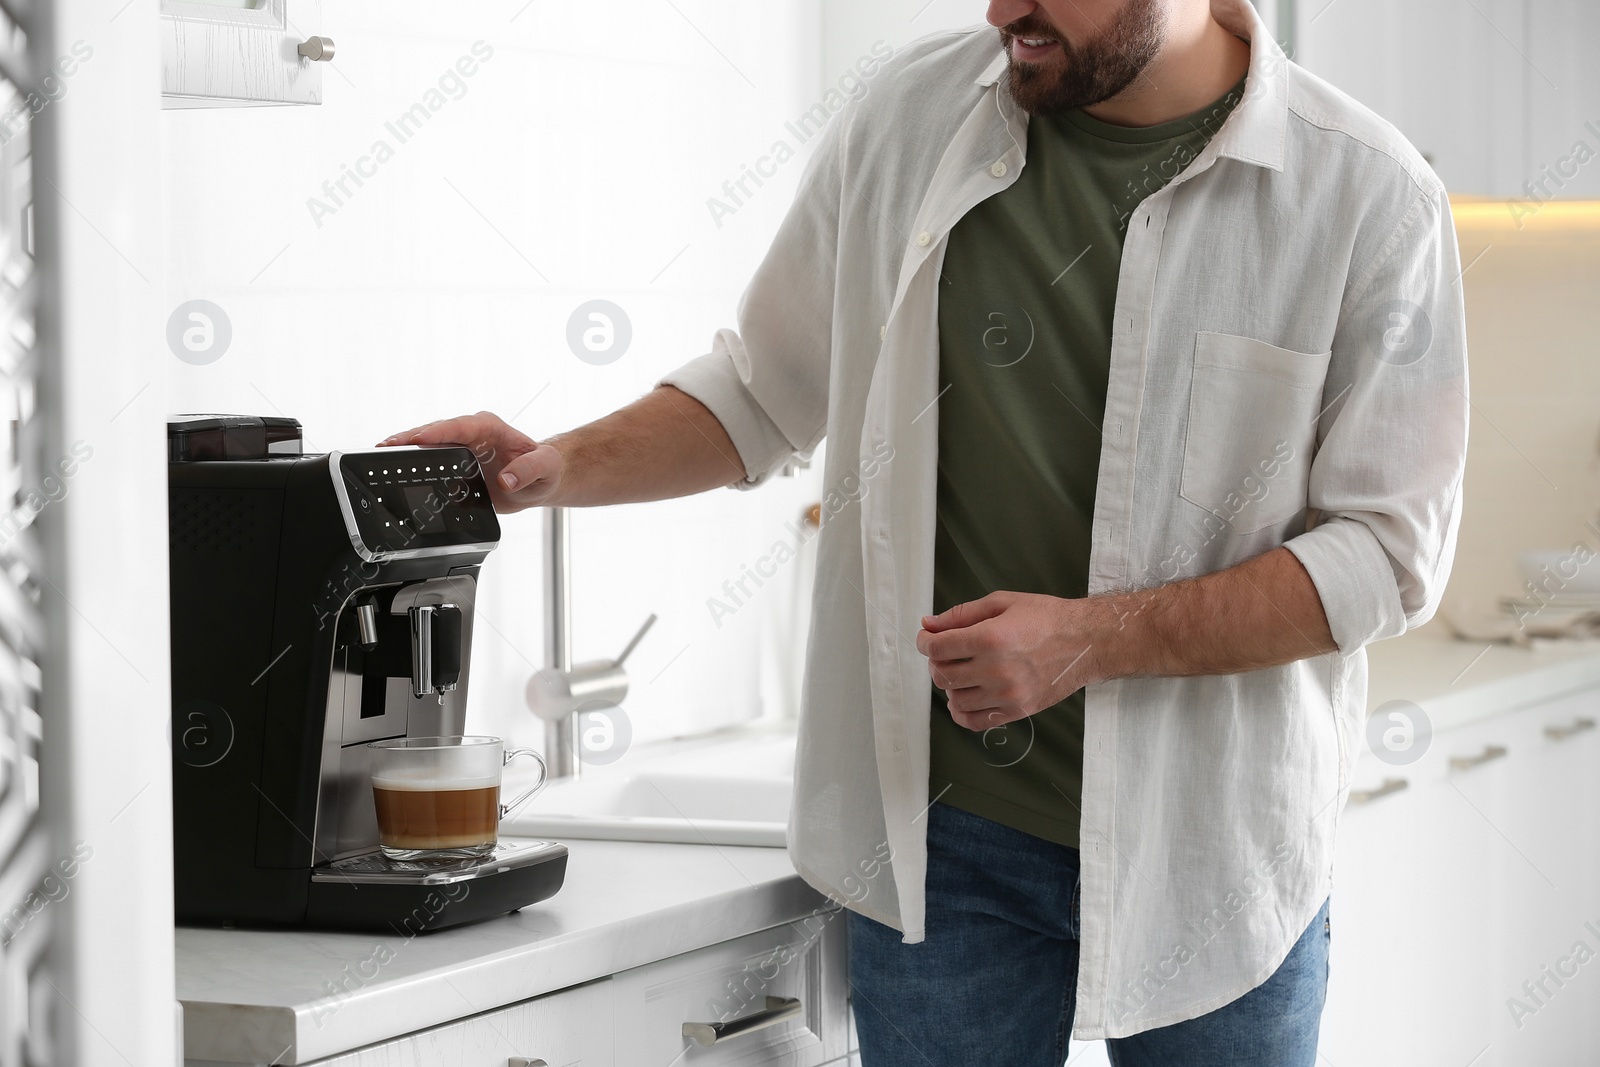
(1253,411)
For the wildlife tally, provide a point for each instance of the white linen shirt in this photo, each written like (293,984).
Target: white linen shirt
(1287,367)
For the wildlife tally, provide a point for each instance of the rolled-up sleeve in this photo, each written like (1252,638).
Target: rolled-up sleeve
(1385,483)
(767,381)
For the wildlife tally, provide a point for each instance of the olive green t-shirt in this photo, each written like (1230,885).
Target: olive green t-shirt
(1025,306)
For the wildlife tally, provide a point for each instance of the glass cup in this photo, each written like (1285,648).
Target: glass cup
(439,797)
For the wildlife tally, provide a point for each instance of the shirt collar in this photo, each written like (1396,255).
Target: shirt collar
(1254,132)
(992,72)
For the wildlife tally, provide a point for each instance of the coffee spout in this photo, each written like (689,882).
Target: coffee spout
(435,649)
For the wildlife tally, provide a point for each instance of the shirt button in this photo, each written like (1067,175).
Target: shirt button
(924,239)
(883,331)
(999,168)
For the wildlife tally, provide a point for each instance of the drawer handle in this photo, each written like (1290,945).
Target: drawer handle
(1489,754)
(317,49)
(1390,785)
(1561,733)
(777,1010)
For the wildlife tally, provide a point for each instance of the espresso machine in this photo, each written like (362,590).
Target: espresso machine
(320,602)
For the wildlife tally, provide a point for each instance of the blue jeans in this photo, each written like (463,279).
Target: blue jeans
(995,981)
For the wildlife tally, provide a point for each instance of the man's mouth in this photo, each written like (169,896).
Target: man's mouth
(1025,49)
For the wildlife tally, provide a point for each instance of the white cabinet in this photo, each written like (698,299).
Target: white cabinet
(1550,896)
(1563,103)
(1445,74)
(232,53)
(637,1017)
(565,1029)
(1491,91)
(1412,898)
(1454,891)
(748,976)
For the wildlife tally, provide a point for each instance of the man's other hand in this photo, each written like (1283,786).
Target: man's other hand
(1010,655)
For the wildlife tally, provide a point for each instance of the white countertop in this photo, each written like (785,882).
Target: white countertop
(284,997)
(1458,682)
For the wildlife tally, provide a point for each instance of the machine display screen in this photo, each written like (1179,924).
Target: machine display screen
(424,507)
(425,498)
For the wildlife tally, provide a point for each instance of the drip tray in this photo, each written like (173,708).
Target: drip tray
(373,892)
(374,868)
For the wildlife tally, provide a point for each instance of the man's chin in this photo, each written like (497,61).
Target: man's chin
(1036,87)
(1048,68)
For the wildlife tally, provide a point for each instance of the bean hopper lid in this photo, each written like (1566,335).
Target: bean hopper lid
(211,437)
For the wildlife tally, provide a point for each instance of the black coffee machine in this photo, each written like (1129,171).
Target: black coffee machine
(319,603)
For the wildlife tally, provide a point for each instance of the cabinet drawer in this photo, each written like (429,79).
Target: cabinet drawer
(804,960)
(565,1029)
(1460,876)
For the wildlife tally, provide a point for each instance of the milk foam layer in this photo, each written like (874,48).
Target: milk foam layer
(422,781)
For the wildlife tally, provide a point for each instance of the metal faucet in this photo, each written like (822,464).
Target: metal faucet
(558,692)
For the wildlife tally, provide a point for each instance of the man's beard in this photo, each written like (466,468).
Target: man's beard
(1088,73)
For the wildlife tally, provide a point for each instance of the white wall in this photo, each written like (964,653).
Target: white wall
(851,27)
(575,163)
(106,701)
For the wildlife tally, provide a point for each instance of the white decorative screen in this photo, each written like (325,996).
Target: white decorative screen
(28,857)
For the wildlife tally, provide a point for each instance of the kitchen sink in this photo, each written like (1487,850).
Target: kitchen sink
(731,791)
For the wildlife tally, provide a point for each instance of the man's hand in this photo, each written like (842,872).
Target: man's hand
(521,472)
(665,444)
(1009,655)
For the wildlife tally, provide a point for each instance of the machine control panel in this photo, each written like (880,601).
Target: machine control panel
(406,502)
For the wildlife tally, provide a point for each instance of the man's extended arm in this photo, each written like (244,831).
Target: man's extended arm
(1010,655)
(665,444)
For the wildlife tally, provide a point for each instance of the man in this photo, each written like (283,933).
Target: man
(1140,352)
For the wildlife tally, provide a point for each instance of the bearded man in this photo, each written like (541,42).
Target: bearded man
(1140,355)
